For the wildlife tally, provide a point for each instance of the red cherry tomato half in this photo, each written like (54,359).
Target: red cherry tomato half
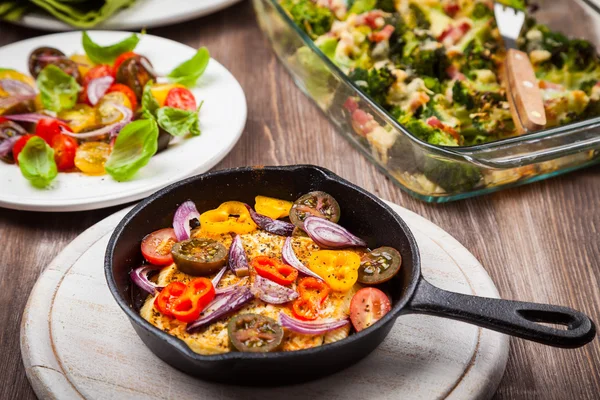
(123,57)
(156,247)
(19,144)
(368,306)
(48,128)
(126,90)
(2,120)
(98,72)
(65,148)
(181,98)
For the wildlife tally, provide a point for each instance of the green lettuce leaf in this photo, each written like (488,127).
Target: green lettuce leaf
(107,54)
(134,147)
(58,89)
(188,72)
(179,122)
(36,162)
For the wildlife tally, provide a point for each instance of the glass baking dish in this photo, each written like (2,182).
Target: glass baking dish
(439,173)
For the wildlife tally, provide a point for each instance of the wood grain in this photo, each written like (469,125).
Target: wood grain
(539,242)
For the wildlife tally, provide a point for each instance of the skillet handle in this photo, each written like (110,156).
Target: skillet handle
(515,318)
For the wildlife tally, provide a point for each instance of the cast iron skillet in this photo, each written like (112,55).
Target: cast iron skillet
(364,215)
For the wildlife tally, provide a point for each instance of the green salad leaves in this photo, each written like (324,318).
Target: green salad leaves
(58,89)
(179,122)
(188,72)
(108,54)
(136,144)
(36,162)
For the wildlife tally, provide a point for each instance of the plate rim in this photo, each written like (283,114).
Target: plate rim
(105,201)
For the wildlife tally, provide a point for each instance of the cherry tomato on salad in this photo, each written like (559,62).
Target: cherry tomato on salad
(275,270)
(197,295)
(107,113)
(126,90)
(2,120)
(156,247)
(19,144)
(98,72)
(368,306)
(164,301)
(91,157)
(181,98)
(161,90)
(254,333)
(65,148)
(48,128)
(123,57)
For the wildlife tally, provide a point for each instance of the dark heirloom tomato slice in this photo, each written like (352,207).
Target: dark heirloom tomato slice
(199,256)
(368,306)
(156,247)
(379,265)
(43,56)
(164,301)
(318,204)
(254,333)
(135,72)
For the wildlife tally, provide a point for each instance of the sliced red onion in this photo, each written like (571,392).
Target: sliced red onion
(231,288)
(310,327)
(271,225)
(181,221)
(6,102)
(29,117)
(289,257)
(7,145)
(215,281)
(271,292)
(139,276)
(238,262)
(97,88)
(15,87)
(220,307)
(330,235)
(113,129)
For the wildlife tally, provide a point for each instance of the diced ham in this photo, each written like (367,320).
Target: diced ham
(418,99)
(455,74)
(551,85)
(453,34)
(435,122)
(351,104)
(363,122)
(451,7)
(382,35)
(371,18)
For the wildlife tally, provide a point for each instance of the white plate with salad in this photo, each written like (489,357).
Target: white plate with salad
(92,121)
(135,14)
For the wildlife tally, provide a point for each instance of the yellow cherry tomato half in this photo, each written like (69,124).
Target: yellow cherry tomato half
(80,118)
(271,207)
(161,90)
(231,216)
(84,64)
(91,157)
(107,113)
(339,268)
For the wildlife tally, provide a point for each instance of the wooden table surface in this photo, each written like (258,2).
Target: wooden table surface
(539,242)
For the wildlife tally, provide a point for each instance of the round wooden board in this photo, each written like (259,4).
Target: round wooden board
(76,342)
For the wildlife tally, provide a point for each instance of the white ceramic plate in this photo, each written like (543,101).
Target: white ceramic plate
(142,14)
(222,120)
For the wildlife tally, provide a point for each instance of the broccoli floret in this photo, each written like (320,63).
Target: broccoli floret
(452,176)
(361,6)
(386,5)
(476,57)
(581,55)
(433,84)
(311,18)
(378,82)
(429,134)
(481,11)
(518,4)
(417,18)
(587,86)
(461,95)
(433,62)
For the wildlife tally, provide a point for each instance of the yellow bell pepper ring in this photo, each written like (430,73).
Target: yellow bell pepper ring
(272,208)
(231,216)
(339,269)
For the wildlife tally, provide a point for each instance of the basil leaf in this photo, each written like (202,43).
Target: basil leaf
(107,54)
(178,122)
(149,102)
(36,162)
(188,72)
(136,144)
(58,89)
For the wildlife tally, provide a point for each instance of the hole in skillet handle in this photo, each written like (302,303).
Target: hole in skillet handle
(515,318)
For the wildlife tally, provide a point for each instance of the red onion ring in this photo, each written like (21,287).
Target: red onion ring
(231,288)
(7,145)
(30,117)
(97,88)
(15,87)
(289,257)
(310,327)
(139,276)
(113,129)
(222,306)
(181,221)
(15,99)
(271,292)
(215,281)
(238,262)
(328,234)
(271,225)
